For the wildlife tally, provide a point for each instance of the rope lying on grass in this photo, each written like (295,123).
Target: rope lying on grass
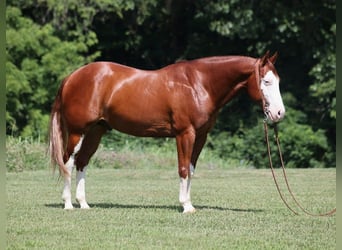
(285,176)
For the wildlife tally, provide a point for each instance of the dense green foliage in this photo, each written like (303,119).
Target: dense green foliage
(48,39)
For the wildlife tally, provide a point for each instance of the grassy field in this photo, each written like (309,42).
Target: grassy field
(138,209)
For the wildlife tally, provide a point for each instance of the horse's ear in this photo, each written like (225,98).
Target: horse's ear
(273,58)
(264,58)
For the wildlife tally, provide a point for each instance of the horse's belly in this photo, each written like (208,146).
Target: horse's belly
(139,124)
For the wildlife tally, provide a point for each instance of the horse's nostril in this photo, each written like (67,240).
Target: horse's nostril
(281,114)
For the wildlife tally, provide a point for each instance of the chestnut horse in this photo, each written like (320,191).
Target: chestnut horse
(181,100)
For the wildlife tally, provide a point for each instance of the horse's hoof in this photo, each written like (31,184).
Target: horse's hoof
(83,205)
(189,210)
(68,207)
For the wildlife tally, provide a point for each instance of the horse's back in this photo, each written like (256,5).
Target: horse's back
(134,101)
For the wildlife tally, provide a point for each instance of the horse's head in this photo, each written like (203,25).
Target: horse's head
(263,86)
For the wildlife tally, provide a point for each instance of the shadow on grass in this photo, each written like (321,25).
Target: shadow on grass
(170,207)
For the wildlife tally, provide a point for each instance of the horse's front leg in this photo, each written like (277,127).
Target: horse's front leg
(184,194)
(185,143)
(199,143)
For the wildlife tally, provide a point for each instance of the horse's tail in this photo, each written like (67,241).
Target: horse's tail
(58,135)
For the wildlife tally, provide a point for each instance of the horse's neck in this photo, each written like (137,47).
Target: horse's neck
(225,76)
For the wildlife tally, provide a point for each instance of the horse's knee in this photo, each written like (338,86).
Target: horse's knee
(183,172)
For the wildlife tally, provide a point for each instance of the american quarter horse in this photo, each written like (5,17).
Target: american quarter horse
(181,100)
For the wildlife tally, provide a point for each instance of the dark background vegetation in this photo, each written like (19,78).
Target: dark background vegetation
(47,39)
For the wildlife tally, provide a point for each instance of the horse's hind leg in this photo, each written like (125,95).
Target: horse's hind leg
(74,144)
(89,145)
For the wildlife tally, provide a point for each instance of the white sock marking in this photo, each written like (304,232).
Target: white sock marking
(67,179)
(80,188)
(66,196)
(184,195)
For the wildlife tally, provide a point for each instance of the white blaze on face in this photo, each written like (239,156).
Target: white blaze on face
(274,107)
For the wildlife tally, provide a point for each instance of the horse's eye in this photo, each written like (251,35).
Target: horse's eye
(267,82)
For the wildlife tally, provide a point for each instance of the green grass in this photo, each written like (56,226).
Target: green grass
(138,209)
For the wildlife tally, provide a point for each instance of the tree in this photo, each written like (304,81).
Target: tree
(37,61)
(48,39)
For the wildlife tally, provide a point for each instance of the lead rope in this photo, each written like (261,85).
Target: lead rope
(272,170)
(285,176)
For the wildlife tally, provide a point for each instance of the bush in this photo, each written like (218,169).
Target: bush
(130,152)
(302,147)
(25,154)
